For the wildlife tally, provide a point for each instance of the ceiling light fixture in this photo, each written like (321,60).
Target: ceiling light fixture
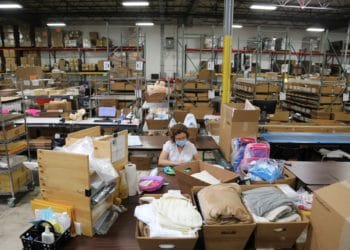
(135,4)
(237,26)
(58,24)
(144,24)
(10,6)
(315,29)
(263,7)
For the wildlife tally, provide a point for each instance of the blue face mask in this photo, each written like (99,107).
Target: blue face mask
(181,143)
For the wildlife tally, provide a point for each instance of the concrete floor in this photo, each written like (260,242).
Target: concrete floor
(15,221)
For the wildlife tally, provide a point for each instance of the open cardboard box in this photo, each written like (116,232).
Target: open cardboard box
(146,243)
(157,124)
(186,181)
(224,237)
(142,161)
(275,234)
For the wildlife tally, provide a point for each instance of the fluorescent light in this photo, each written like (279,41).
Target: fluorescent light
(134,4)
(60,24)
(263,7)
(10,6)
(237,26)
(315,29)
(144,24)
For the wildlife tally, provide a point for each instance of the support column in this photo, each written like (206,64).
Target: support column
(226,64)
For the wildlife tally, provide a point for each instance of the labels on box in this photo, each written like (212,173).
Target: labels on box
(210,65)
(285,68)
(106,65)
(283,96)
(211,94)
(345,97)
(139,65)
(26,83)
(35,83)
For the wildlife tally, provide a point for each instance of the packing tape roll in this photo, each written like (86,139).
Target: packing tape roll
(131,178)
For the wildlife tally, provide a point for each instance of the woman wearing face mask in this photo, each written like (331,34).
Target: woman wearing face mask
(179,149)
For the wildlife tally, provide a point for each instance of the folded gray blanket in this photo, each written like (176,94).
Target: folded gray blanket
(263,200)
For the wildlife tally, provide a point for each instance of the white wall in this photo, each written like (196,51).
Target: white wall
(153,44)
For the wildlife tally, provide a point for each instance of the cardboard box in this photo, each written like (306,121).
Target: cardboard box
(341,116)
(330,217)
(280,115)
(20,177)
(277,235)
(155,98)
(57,105)
(179,115)
(117,86)
(213,127)
(224,237)
(192,133)
(146,243)
(237,120)
(186,181)
(157,124)
(142,162)
(205,74)
(200,111)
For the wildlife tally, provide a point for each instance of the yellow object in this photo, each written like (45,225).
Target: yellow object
(226,71)
(57,226)
(57,208)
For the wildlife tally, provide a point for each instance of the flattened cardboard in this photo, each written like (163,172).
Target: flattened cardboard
(330,217)
(224,237)
(186,181)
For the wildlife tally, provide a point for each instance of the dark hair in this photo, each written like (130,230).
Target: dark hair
(178,129)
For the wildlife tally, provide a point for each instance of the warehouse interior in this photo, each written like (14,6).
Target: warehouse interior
(174,124)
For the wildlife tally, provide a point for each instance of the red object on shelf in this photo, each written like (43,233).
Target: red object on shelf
(42,101)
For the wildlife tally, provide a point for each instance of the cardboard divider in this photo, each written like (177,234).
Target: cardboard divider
(186,181)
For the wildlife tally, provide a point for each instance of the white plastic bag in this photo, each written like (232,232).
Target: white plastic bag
(103,167)
(190,121)
(172,123)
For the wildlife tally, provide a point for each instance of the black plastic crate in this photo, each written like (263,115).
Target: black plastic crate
(31,239)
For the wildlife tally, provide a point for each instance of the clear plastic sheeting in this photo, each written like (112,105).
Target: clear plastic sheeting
(103,167)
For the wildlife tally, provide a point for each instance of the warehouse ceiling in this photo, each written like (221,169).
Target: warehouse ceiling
(332,14)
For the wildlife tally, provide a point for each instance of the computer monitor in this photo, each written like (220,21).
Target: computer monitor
(266,107)
(107,112)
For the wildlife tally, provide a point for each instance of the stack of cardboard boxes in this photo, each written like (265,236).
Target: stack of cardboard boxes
(10,60)
(41,37)
(73,39)
(9,36)
(57,38)
(24,36)
(30,59)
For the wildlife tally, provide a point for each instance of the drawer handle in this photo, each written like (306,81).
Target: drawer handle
(166,246)
(278,230)
(228,232)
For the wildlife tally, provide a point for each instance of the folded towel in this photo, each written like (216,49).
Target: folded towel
(222,204)
(278,213)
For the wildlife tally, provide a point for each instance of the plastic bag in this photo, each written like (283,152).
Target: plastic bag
(151,183)
(254,152)
(190,121)
(103,167)
(266,169)
(172,123)
(238,147)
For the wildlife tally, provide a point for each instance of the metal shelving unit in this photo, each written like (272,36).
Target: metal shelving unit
(5,143)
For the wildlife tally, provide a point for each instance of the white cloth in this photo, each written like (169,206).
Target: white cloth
(206,177)
(186,155)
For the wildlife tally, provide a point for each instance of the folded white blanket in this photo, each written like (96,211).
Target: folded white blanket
(206,177)
(147,214)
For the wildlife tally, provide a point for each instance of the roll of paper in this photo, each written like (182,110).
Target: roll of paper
(131,178)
